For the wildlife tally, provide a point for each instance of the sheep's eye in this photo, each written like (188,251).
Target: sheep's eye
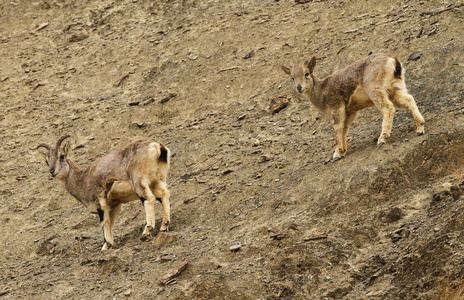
(307,75)
(61,156)
(293,79)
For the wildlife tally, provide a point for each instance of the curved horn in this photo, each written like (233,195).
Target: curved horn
(44,145)
(61,139)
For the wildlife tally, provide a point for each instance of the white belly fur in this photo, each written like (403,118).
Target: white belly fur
(122,191)
(360,95)
(359,99)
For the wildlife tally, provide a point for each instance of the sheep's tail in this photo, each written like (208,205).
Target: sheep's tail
(164,154)
(398,69)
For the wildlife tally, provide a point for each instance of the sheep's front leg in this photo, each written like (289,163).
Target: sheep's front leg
(162,192)
(104,214)
(339,117)
(113,213)
(348,120)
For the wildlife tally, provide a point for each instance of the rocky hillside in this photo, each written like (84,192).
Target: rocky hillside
(258,211)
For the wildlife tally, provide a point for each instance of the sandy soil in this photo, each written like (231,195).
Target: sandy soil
(199,76)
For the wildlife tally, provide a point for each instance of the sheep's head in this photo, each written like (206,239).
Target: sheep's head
(302,75)
(55,158)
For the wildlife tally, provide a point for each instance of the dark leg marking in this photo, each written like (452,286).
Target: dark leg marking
(100,214)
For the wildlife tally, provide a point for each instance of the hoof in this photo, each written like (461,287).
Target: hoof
(336,159)
(165,225)
(420,133)
(380,144)
(147,231)
(106,246)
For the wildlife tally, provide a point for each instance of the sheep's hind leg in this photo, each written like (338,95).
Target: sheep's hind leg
(386,107)
(148,200)
(404,100)
(162,192)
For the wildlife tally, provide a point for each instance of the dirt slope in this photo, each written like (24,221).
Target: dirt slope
(199,75)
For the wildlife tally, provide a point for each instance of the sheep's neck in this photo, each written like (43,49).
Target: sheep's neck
(74,183)
(315,94)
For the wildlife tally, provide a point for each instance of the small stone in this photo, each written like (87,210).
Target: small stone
(315,237)
(278,103)
(77,38)
(249,54)
(173,272)
(21,177)
(415,55)
(227,171)
(440,196)
(165,238)
(264,158)
(394,12)
(401,233)
(53,205)
(277,236)
(138,124)
(272,229)
(393,215)
(293,226)
(145,238)
(167,257)
(168,97)
(456,192)
(128,292)
(235,247)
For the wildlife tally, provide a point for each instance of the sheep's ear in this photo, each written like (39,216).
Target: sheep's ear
(66,148)
(311,64)
(287,70)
